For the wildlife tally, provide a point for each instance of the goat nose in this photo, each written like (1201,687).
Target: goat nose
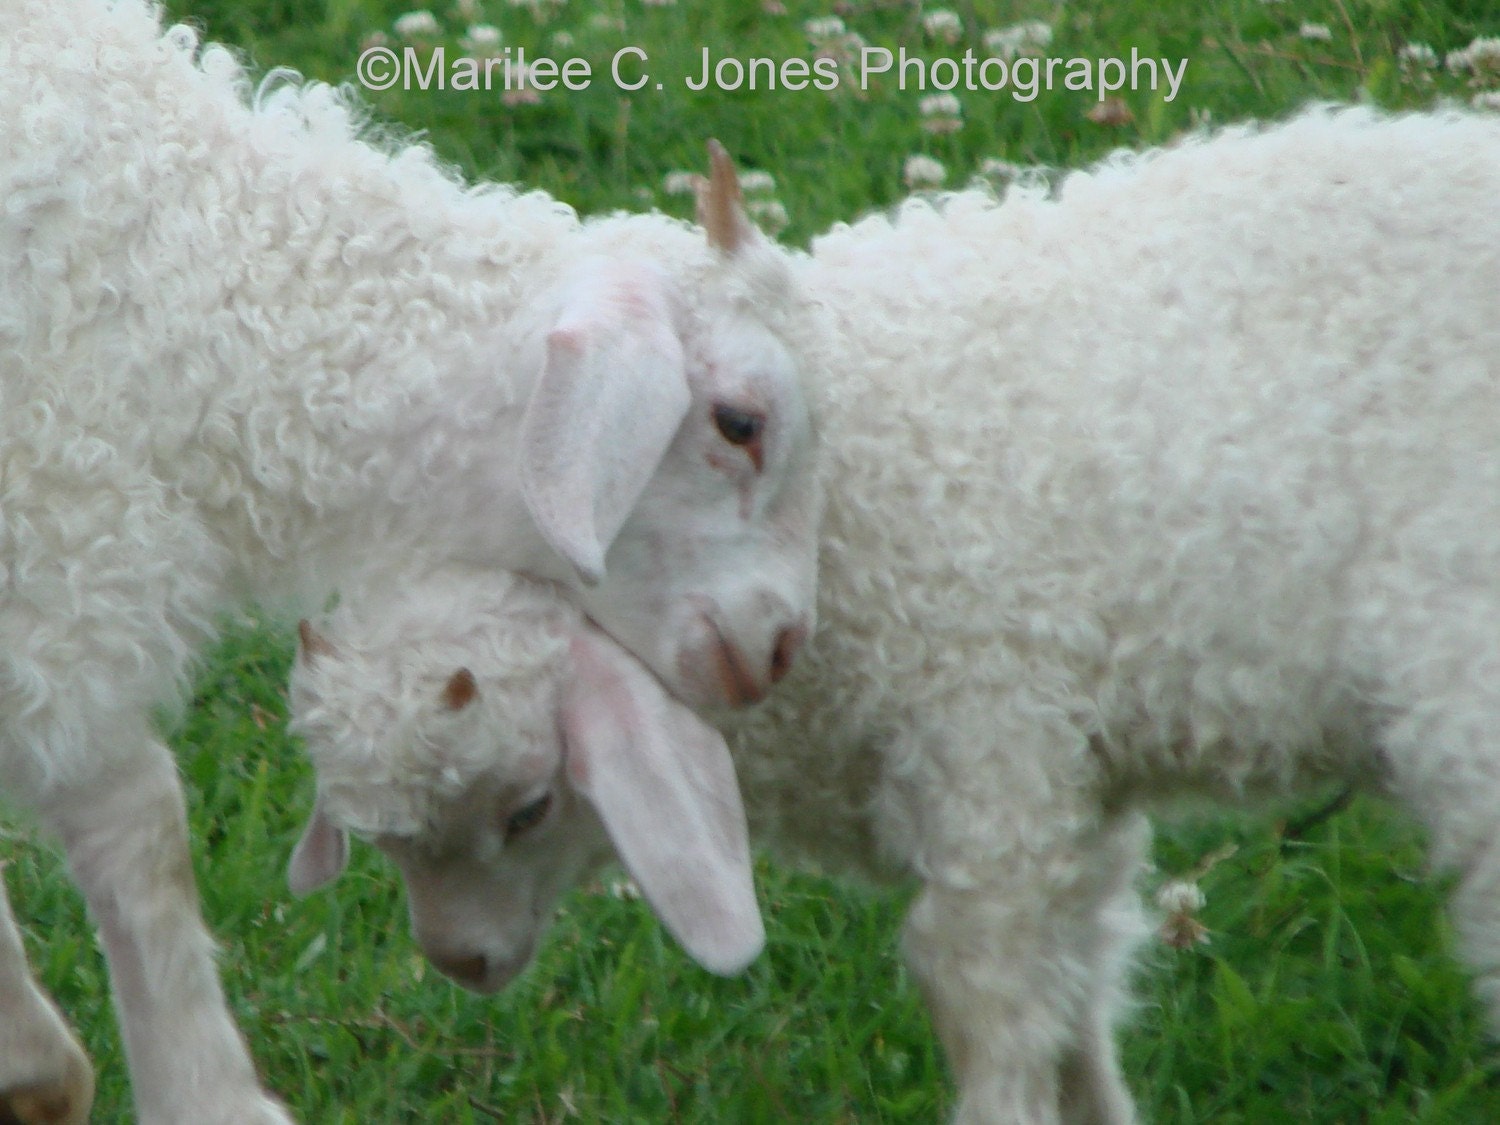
(469,969)
(788,642)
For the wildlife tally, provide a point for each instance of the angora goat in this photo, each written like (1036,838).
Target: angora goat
(1185,482)
(246,354)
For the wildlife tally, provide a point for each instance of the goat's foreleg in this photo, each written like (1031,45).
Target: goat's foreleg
(1019,937)
(126,840)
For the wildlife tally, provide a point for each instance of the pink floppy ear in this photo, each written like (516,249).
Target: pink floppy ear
(663,783)
(608,402)
(320,855)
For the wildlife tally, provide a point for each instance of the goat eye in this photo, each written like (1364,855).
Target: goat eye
(528,817)
(738,427)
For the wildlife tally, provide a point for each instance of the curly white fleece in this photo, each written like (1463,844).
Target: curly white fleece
(1184,482)
(247,350)
(222,313)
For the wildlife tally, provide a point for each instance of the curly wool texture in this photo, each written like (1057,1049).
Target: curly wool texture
(390,751)
(243,349)
(1184,482)
(1188,474)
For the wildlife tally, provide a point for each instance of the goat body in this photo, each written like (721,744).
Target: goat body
(1182,481)
(246,353)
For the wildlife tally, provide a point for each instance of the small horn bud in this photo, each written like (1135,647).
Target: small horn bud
(314,644)
(460,690)
(720,204)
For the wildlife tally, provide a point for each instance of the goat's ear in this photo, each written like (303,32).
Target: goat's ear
(663,784)
(608,401)
(320,855)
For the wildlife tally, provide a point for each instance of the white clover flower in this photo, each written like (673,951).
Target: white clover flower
(1181,899)
(603,21)
(417,25)
(468,10)
(481,38)
(680,183)
(768,214)
(1180,896)
(1481,58)
(1001,171)
(940,105)
(562,40)
(521,91)
(843,49)
(757,182)
(941,113)
(832,40)
(923,171)
(1029,38)
(828,27)
(1111,111)
(1418,56)
(624,889)
(1486,99)
(943,25)
(1484,54)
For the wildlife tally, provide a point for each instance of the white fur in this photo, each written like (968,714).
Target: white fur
(413,758)
(248,354)
(1185,482)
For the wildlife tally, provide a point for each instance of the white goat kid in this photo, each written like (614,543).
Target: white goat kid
(462,789)
(1183,483)
(246,354)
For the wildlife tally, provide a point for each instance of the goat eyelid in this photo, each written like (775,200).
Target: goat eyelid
(527,817)
(737,425)
(744,428)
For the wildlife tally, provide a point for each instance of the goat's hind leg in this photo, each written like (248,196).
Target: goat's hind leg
(1445,760)
(1465,838)
(45,1076)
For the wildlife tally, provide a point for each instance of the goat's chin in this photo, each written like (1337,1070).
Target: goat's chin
(481,974)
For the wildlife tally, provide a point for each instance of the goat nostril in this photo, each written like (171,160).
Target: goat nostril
(788,641)
(469,970)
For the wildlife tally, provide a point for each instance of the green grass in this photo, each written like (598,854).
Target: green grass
(1327,992)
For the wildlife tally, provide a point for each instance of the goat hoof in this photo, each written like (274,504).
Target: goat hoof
(63,1102)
